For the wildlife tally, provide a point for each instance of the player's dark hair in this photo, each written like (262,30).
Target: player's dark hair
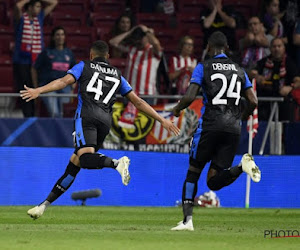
(217,40)
(31,3)
(100,48)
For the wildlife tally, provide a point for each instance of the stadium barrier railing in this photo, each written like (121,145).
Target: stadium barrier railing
(6,103)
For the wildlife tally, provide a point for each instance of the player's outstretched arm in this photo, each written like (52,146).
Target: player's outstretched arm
(143,106)
(32,93)
(187,99)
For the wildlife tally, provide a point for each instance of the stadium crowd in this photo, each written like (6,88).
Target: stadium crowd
(264,36)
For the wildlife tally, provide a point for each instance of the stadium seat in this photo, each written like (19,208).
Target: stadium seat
(73,6)
(2,12)
(6,72)
(166,36)
(135,6)
(188,20)
(102,33)
(120,63)
(104,20)
(70,19)
(7,104)
(80,36)
(188,6)
(6,40)
(246,8)
(153,20)
(80,53)
(47,35)
(171,50)
(4,9)
(105,6)
(79,41)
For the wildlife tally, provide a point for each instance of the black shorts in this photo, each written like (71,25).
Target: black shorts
(89,133)
(216,146)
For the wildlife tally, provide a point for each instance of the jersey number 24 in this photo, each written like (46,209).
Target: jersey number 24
(230,91)
(98,89)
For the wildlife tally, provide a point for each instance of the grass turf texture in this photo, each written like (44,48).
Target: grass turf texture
(145,228)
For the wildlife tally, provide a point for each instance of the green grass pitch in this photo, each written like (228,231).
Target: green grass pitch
(90,227)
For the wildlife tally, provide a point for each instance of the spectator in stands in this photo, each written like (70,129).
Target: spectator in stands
(281,22)
(144,55)
(182,66)
(296,41)
(291,9)
(51,64)
(272,19)
(275,75)
(123,24)
(255,45)
(219,18)
(29,42)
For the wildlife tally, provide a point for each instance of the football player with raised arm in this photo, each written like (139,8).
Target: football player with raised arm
(98,84)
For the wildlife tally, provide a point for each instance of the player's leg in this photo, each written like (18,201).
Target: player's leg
(189,192)
(85,140)
(121,164)
(91,160)
(89,138)
(218,178)
(61,186)
(200,154)
(66,180)
(221,173)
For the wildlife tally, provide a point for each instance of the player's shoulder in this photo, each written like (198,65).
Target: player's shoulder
(84,62)
(199,67)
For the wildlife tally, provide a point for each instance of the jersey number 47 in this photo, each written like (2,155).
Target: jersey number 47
(99,84)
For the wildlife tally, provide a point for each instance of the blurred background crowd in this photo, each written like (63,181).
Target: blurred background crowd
(156,44)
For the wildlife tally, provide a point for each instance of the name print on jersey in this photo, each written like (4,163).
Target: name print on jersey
(225,66)
(105,70)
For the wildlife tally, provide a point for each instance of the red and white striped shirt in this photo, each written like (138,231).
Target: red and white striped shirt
(179,63)
(255,115)
(141,71)
(31,37)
